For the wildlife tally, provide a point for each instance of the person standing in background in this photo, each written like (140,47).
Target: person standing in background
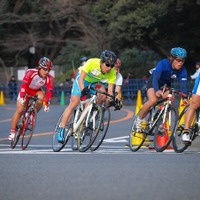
(196,74)
(12,86)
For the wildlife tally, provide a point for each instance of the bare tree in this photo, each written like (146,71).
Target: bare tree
(47,25)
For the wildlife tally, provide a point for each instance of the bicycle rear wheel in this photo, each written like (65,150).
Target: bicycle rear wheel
(163,134)
(28,127)
(178,145)
(136,139)
(103,129)
(87,135)
(57,146)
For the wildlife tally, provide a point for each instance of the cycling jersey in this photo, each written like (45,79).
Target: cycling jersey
(94,75)
(196,88)
(32,83)
(93,69)
(119,80)
(196,74)
(164,73)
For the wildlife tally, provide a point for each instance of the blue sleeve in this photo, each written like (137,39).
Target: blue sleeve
(156,77)
(157,74)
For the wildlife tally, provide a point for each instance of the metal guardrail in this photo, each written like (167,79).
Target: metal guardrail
(129,90)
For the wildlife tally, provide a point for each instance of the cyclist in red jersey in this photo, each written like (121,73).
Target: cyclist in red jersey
(32,84)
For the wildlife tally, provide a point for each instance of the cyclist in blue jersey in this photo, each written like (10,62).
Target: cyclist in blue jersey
(189,115)
(165,70)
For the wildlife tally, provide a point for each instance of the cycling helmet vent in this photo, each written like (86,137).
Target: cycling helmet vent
(108,57)
(178,52)
(45,62)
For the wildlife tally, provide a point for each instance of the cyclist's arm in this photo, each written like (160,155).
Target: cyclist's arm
(25,82)
(118,90)
(81,79)
(110,88)
(49,89)
(118,85)
(156,77)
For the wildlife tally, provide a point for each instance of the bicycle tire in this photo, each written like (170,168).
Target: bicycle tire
(28,127)
(103,130)
(136,139)
(178,145)
(87,135)
(57,146)
(74,145)
(14,141)
(163,138)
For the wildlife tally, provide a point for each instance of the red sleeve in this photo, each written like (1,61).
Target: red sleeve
(25,82)
(49,88)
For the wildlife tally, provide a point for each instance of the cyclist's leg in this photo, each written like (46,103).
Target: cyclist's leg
(15,118)
(152,99)
(194,105)
(74,101)
(178,145)
(56,145)
(39,103)
(137,138)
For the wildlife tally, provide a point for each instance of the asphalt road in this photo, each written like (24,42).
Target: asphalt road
(111,173)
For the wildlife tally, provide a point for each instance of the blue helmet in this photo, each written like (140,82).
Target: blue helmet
(178,52)
(108,57)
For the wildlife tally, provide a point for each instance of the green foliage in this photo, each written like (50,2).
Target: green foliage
(138,62)
(71,54)
(66,30)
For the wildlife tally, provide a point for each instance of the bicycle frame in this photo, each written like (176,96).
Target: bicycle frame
(22,126)
(86,111)
(164,108)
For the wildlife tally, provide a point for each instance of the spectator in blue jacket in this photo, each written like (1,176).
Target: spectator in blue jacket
(12,87)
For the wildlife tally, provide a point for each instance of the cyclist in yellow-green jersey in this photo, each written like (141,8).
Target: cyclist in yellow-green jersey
(93,71)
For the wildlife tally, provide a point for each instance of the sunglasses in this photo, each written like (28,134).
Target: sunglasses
(180,60)
(109,65)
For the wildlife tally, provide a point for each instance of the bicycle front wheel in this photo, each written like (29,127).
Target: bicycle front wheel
(164,129)
(57,146)
(178,145)
(103,129)
(87,135)
(136,139)
(14,141)
(28,128)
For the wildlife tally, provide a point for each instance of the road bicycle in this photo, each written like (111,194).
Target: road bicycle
(83,126)
(103,128)
(105,121)
(26,124)
(160,122)
(178,145)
